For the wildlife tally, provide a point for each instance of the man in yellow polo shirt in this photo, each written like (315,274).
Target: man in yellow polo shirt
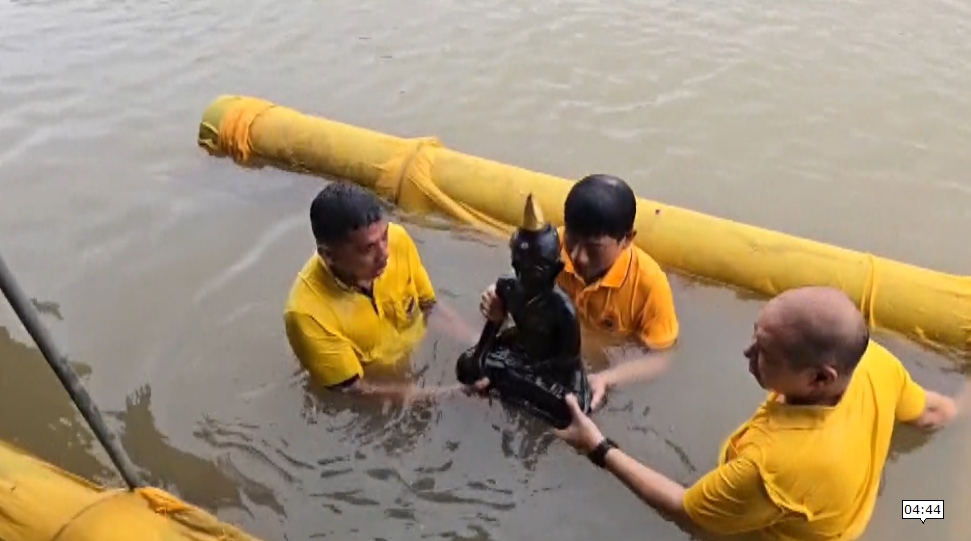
(618,289)
(362,299)
(807,466)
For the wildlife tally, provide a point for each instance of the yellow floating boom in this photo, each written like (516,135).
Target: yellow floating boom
(421,175)
(39,502)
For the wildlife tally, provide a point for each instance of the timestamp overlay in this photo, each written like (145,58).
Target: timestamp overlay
(922,509)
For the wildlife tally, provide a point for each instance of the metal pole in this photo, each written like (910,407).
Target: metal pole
(69,378)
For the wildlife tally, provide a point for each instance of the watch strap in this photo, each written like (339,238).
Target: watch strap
(599,453)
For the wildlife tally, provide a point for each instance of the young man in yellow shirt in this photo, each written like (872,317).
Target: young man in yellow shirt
(362,299)
(618,289)
(807,466)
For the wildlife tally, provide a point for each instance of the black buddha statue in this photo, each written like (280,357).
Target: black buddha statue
(536,362)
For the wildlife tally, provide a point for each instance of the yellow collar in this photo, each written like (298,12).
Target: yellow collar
(799,417)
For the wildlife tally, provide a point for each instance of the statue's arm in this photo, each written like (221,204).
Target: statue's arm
(505,292)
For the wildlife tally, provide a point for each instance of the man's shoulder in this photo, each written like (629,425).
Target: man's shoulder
(876,352)
(401,245)
(648,275)
(403,251)
(878,362)
(304,318)
(301,282)
(309,294)
(398,236)
(644,263)
(879,373)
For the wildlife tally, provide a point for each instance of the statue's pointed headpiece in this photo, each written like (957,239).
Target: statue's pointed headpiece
(532,216)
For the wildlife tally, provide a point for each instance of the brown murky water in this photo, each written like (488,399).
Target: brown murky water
(164,272)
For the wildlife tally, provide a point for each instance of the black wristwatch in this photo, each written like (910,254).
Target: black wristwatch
(599,454)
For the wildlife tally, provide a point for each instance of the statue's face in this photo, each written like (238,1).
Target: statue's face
(536,258)
(533,275)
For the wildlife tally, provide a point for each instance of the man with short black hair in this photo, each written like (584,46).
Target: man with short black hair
(808,464)
(362,299)
(618,289)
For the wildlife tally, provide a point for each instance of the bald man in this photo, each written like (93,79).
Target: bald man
(807,465)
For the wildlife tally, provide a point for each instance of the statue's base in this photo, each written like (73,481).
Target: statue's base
(541,393)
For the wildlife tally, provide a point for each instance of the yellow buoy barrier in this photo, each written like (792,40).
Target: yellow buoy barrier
(39,502)
(421,175)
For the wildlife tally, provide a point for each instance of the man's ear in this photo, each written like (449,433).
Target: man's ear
(825,375)
(629,238)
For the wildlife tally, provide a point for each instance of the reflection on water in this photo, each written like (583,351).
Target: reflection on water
(210,483)
(52,417)
(37,411)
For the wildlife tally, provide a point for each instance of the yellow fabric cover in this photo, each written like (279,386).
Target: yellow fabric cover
(421,175)
(39,502)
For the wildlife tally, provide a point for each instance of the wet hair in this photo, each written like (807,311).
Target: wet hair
(600,205)
(341,208)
